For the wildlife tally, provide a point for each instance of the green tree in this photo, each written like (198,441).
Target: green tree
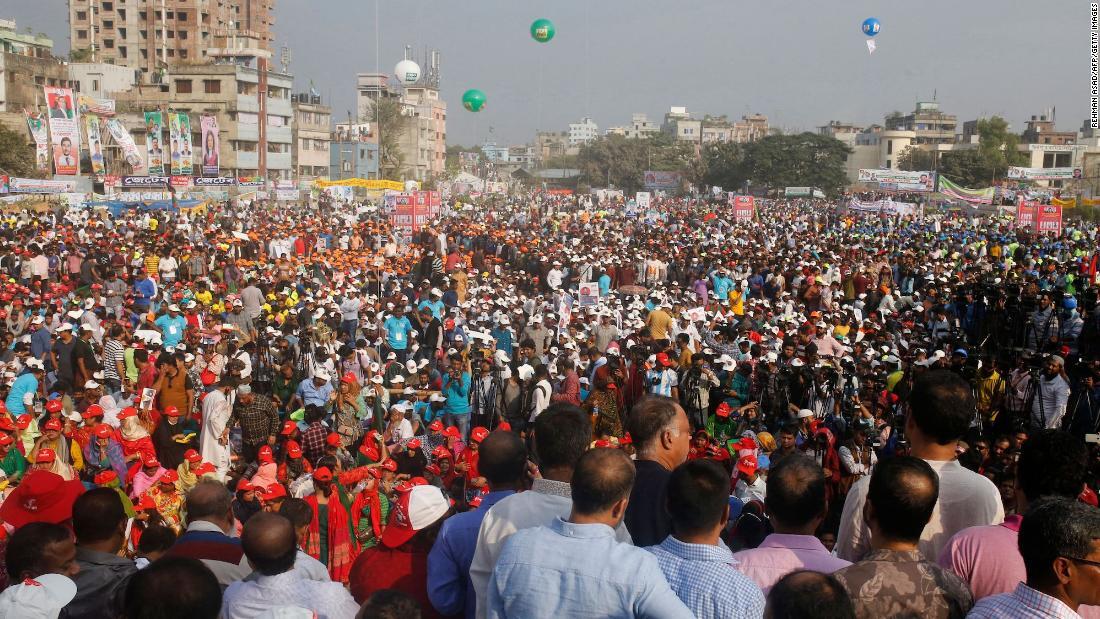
(16,155)
(980,167)
(83,54)
(723,165)
(915,159)
(622,162)
(796,160)
(391,123)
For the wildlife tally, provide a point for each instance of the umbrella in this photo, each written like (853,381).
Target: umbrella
(633,289)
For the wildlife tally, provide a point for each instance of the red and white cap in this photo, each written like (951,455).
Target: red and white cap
(417,507)
(43,596)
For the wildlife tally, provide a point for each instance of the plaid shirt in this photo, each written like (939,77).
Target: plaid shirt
(258,420)
(313,441)
(706,580)
(1022,603)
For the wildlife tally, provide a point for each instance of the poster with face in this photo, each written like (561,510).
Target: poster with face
(64,131)
(154,135)
(183,121)
(174,142)
(210,153)
(36,124)
(95,144)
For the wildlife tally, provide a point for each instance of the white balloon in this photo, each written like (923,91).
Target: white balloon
(407,71)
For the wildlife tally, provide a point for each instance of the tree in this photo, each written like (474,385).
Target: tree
(980,167)
(804,159)
(16,155)
(390,123)
(622,162)
(80,55)
(723,165)
(915,159)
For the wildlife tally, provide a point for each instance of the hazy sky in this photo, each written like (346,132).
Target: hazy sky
(801,63)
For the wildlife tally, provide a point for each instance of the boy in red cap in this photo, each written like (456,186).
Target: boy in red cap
(466,462)
(167,498)
(12,462)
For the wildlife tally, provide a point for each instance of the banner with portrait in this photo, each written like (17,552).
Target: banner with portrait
(125,141)
(182,158)
(64,131)
(154,143)
(36,124)
(211,154)
(95,144)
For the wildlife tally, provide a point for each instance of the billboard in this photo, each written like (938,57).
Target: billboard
(744,207)
(1043,174)
(214,181)
(642,200)
(900,180)
(95,144)
(94,105)
(36,185)
(1025,214)
(1048,218)
(186,153)
(662,180)
(36,124)
(129,150)
(154,142)
(64,131)
(144,181)
(211,153)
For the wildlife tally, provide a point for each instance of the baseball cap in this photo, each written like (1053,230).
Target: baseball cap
(43,596)
(288,427)
(103,431)
(293,449)
(416,508)
(805,413)
(478,434)
(44,456)
(274,491)
(747,464)
(192,456)
(322,474)
(265,456)
(333,439)
(323,375)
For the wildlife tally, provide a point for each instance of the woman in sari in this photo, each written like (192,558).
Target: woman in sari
(136,442)
(602,406)
(103,453)
(350,408)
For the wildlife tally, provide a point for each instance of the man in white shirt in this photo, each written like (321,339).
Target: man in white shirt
(270,544)
(214,442)
(562,434)
(941,408)
(1051,396)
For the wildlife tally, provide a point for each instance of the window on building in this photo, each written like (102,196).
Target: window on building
(95,85)
(108,6)
(108,24)
(346,166)
(82,34)
(212,86)
(889,147)
(183,86)
(122,32)
(171,34)
(171,53)
(143,16)
(889,164)
(122,51)
(109,43)
(81,15)
(361,153)
(144,35)
(183,34)
(183,53)
(144,53)
(181,16)
(122,14)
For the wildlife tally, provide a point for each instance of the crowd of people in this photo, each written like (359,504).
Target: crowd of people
(541,407)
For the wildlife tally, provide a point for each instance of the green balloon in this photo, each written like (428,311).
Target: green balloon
(473,100)
(542,30)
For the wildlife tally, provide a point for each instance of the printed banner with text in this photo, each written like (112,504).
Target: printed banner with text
(64,131)
(36,124)
(662,180)
(211,154)
(130,150)
(744,208)
(95,145)
(900,180)
(1043,174)
(1048,218)
(154,136)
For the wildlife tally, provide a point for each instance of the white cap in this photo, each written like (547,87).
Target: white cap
(805,413)
(91,384)
(391,356)
(65,327)
(376,379)
(173,308)
(35,363)
(437,397)
(323,375)
(75,313)
(400,378)
(43,597)
(525,372)
(37,320)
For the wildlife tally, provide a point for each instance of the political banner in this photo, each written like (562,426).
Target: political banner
(972,196)
(154,143)
(251,181)
(661,180)
(214,181)
(144,181)
(3,184)
(180,181)
(36,124)
(1048,218)
(565,312)
(185,160)
(884,206)
(211,153)
(901,180)
(95,105)
(125,141)
(286,195)
(588,294)
(37,185)
(1043,174)
(1025,213)
(642,200)
(64,132)
(95,145)
(173,144)
(744,208)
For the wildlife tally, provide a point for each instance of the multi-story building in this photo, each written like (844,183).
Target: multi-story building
(680,125)
(149,36)
(552,144)
(424,141)
(929,124)
(23,43)
(845,132)
(1040,130)
(311,136)
(350,157)
(253,108)
(750,128)
(583,132)
(99,79)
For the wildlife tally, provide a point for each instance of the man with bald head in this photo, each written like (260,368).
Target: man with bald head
(271,546)
(574,566)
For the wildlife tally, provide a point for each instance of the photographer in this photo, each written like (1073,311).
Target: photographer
(698,380)
(1043,327)
(1051,395)
(456,388)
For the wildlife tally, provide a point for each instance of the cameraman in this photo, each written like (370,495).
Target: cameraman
(456,388)
(1051,395)
(698,380)
(1044,325)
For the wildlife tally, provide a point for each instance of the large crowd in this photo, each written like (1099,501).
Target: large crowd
(542,406)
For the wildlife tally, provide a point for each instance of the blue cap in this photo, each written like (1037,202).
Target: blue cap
(1070,303)
(961,352)
(736,506)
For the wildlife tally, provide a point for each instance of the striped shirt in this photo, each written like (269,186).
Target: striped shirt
(113,355)
(706,580)
(1022,603)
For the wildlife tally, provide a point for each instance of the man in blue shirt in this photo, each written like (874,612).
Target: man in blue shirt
(722,284)
(503,463)
(433,303)
(21,396)
(456,388)
(576,567)
(41,339)
(172,325)
(398,328)
(503,336)
(144,291)
(697,564)
(318,391)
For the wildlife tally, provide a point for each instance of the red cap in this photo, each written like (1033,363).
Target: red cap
(436,426)
(504,427)
(289,426)
(127,412)
(452,431)
(265,456)
(93,411)
(244,486)
(52,424)
(104,431)
(53,406)
(662,359)
(322,474)
(274,491)
(441,452)
(43,496)
(172,411)
(204,468)
(146,503)
(333,439)
(478,434)
(747,465)
(6,424)
(746,442)
(390,465)
(413,444)
(370,451)
(348,377)
(418,506)
(44,456)
(170,477)
(6,439)
(150,461)
(23,421)
(192,456)
(293,449)
(723,410)
(105,477)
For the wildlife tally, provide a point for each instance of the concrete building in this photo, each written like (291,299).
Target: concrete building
(311,137)
(424,142)
(352,159)
(872,148)
(750,128)
(99,79)
(23,43)
(844,132)
(253,109)
(1040,130)
(149,36)
(493,152)
(679,124)
(552,144)
(929,124)
(583,132)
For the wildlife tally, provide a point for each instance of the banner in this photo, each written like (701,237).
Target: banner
(642,199)
(885,206)
(1025,213)
(93,105)
(973,196)
(179,181)
(1048,218)
(744,208)
(36,185)
(211,149)
(154,137)
(37,126)
(361,183)
(588,294)
(662,180)
(1043,174)
(1067,203)
(251,181)
(173,144)
(900,180)
(144,181)
(129,150)
(565,312)
(3,184)
(95,145)
(64,133)
(214,181)
(179,127)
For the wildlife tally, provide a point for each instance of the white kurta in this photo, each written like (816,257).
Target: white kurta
(216,410)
